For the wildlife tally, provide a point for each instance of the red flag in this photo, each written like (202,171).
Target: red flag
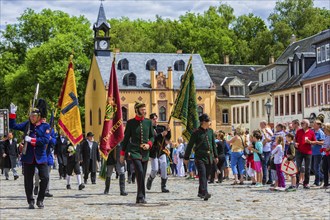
(113,130)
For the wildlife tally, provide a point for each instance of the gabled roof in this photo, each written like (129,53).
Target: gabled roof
(137,65)
(101,18)
(223,74)
(304,45)
(317,71)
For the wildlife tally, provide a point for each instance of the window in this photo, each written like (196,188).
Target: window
(318,55)
(267,73)
(323,54)
(276,106)
(263,107)
(273,75)
(90,118)
(327,94)
(293,104)
(262,77)
(179,65)
(100,118)
(327,52)
(200,110)
(252,109)
(242,115)
(299,102)
(129,79)
(151,65)
(320,96)
(162,113)
(225,116)
(292,68)
(287,105)
(314,95)
(257,108)
(236,91)
(281,105)
(237,115)
(124,113)
(94,84)
(123,64)
(300,67)
(247,114)
(234,115)
(307,95)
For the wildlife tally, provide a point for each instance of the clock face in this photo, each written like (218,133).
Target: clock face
(103,44)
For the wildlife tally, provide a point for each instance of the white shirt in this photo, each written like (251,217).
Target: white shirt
(267,147)
(278,154)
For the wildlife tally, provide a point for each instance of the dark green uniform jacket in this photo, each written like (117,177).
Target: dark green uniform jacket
(203,143)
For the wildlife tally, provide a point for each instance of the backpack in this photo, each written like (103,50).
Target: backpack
(181,155)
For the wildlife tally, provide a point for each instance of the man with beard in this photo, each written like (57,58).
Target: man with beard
(138,139)
(159,153)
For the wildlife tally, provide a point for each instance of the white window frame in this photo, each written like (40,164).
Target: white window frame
(323,53)
(314,94)
(318,55)
(327,52)
(320,88)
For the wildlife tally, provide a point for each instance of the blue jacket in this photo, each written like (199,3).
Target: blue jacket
(36,150)
(50,148)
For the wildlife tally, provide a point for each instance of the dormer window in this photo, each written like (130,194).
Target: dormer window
(179,65)
(236,91)
(129,79)
(327,52)
(123,64)
(151,65)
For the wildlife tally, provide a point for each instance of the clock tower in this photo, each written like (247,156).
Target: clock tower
(101,34)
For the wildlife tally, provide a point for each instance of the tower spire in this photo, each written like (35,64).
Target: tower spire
(101,18)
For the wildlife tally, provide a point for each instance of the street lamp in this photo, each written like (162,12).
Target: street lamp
(268,106)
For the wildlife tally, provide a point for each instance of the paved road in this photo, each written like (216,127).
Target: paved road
(227,202)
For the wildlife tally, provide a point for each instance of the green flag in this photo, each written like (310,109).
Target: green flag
(185,108)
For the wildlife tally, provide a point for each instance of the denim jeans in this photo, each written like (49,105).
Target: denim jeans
(317,168)
(326,169)
(308,159)
(265,169)
(203,172)
(236,159)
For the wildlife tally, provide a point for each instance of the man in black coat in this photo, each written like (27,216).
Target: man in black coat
(10,154)
(90,156)
(62,143)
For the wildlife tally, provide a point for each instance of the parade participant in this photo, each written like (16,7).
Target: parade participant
(304,137)
(90,157)
(112,163)
(74,157)
(9,155)
(138,139)
(203,142)
(158,153)
(62,143)
(37,139)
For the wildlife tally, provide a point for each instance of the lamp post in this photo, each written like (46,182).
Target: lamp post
(268,106)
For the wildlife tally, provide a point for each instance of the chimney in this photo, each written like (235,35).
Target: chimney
(179,51)
(226,60)
(117,50)
(293,39)
(271,60)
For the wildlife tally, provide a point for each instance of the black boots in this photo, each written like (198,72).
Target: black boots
(164,190)
(122,185)
(107,185)
(149,182)
(133,177)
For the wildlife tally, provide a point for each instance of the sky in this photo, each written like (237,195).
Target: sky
(10,10)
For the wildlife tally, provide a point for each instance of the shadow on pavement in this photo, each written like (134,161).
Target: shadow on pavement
(128,204)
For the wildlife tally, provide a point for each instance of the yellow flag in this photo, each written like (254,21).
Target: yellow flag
(69,121)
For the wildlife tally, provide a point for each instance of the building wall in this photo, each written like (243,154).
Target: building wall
(260,113)
(314,104)
(290,107)
(243,119)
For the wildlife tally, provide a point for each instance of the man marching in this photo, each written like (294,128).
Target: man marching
(158,153)
(138,139)
(37,138)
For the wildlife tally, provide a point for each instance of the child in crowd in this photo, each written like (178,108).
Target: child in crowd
(191,166)
(278,153)
(250,162)
(290,154)
(272,168)
(257,151)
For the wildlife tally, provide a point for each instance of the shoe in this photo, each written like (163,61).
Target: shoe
(207,196)
(31,205)
(93,182)
(68,187)
(85,181)
(272,185)
(269,182)
(316,185)
(35,191)
(200,195)
(7,178)
(40,204)
(263,182)
(325,187)
(291,189)
(81,186)
(241,183)
(16,177)
(142,201)
(306,186)
(252,184)
(281,189)
(234,183)
(258,185)
(48,194)
(211,181)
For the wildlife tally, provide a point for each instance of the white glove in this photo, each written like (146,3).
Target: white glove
(28,139)
(13,108)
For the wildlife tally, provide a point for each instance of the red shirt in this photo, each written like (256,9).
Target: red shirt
(304,147)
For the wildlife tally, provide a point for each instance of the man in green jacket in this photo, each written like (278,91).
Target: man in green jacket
(203,142)
(138,139)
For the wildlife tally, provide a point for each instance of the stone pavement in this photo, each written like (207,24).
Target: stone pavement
(227,202)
